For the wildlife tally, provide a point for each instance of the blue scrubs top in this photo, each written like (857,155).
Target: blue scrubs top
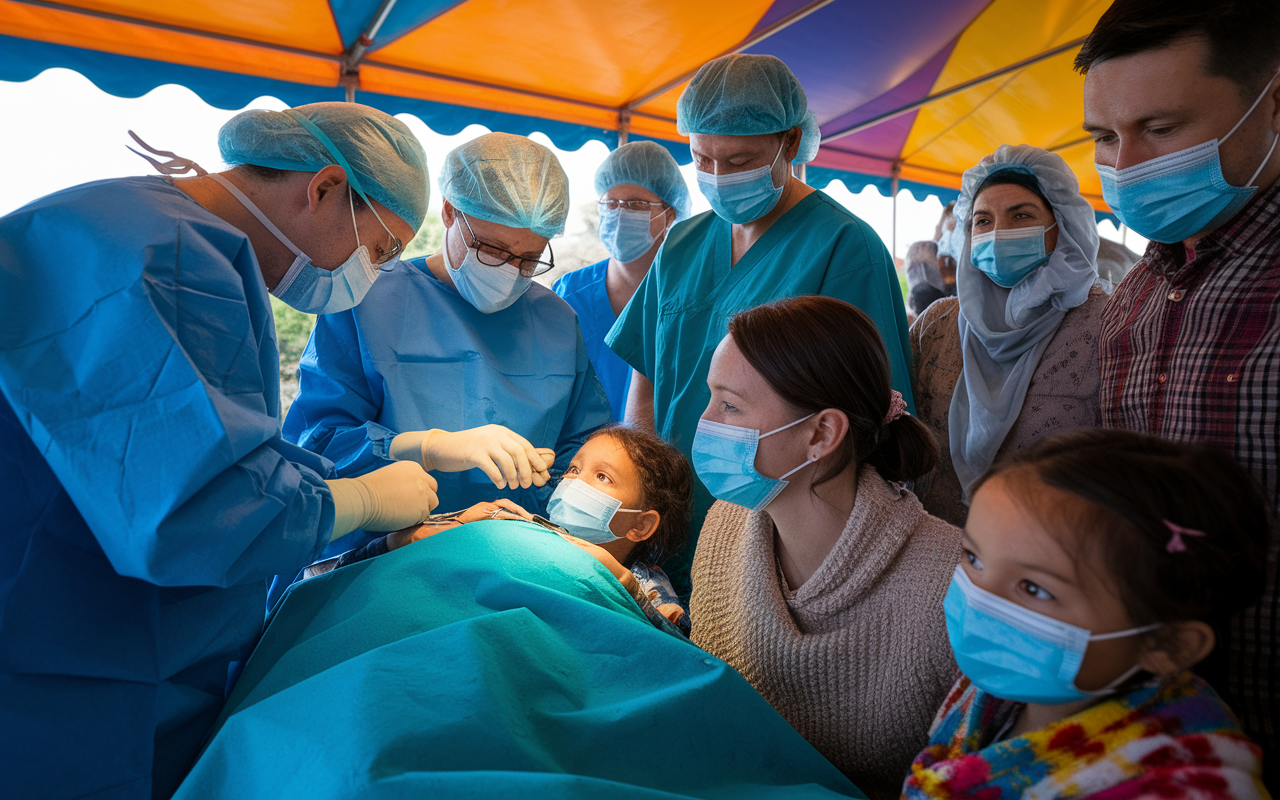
(586,293)
(147,491)
(415,355)
(681,311)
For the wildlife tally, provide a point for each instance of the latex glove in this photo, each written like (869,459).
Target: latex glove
(387,499)
(506,457)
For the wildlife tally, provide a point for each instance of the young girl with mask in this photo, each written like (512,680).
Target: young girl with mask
(818,576)
(1099,568)
(624,498)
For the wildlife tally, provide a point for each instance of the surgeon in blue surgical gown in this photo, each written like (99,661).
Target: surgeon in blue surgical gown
(147,492)
(461,343)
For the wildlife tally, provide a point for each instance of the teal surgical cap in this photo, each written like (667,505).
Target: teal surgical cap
(508,180)
(649,166)
(381,156)
(746,95)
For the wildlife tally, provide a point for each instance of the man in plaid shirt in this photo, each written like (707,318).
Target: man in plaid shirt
(1183,102)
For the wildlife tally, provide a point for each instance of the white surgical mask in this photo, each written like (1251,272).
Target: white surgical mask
(305,286)
(489,289)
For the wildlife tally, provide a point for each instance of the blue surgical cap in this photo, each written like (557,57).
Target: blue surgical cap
(508,180)
(384,160)
(745,95)
(649,166)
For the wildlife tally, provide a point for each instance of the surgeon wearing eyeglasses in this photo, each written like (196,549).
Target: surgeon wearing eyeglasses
(642,194)
(459,361)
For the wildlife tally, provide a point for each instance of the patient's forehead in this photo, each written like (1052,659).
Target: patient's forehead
(607,453)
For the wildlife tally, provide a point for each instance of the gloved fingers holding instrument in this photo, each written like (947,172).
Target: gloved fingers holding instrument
(506,457)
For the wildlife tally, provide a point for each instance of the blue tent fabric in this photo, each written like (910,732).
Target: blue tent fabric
(496,660)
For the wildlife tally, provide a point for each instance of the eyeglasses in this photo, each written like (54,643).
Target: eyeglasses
(492,256)
(387,256)
(630,205)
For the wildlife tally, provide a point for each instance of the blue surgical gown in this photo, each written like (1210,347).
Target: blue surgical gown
(148,492)
(586,293)
(681,311)
(415,355)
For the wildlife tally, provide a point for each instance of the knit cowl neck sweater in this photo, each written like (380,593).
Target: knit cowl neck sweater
(857,658)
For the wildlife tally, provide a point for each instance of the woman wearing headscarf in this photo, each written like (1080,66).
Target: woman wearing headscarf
(1014,357)
(458,360)
(768,236)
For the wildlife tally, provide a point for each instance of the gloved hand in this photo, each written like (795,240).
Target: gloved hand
(506,457)
(387,499)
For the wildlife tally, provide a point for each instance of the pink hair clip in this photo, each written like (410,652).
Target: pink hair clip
(897,407)
(1176,544)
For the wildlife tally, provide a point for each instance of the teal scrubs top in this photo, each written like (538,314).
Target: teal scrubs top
(586,291)
(681,311)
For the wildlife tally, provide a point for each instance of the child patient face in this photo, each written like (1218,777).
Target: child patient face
(1009,552)
(604,464)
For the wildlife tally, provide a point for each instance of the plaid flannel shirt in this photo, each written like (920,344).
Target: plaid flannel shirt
(1190,348)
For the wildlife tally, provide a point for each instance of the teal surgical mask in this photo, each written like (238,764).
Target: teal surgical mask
(1007,256)
(742,197)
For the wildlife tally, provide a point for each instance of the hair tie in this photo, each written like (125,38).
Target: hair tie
(897,407)
(1176,544)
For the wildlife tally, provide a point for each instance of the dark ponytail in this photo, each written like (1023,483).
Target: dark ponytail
(818,353)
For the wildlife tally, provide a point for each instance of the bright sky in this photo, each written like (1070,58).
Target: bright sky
(64,131)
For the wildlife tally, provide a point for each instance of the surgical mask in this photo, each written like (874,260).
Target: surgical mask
(584,511)
(1016,654)
(626,233)
(305,286)
(949,242)
(742,197)
(1172,198)
(724,456)
(489,289)
(1009,255)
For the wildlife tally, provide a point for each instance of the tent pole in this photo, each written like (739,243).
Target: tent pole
(893,189)
(624,126)
(799,171)
(351,92)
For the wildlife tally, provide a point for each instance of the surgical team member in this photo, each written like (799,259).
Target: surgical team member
(147,490)
(768,236)
(462,341)
(642,193)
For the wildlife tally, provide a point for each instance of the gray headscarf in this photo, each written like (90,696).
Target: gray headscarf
(1004,332)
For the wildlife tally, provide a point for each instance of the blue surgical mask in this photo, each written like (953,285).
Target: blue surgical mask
(309,288)
(1009,255)
(489,289)
(742,197)
(1172,198)
(724,456)
(584,511)
(626,233)
(1016,654)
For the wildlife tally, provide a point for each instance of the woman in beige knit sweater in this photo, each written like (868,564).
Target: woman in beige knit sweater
(1014,357)
(824,589)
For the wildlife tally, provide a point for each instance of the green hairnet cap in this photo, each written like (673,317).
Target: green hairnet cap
(508,180)
(746,95)
(384,160)
(649,166)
